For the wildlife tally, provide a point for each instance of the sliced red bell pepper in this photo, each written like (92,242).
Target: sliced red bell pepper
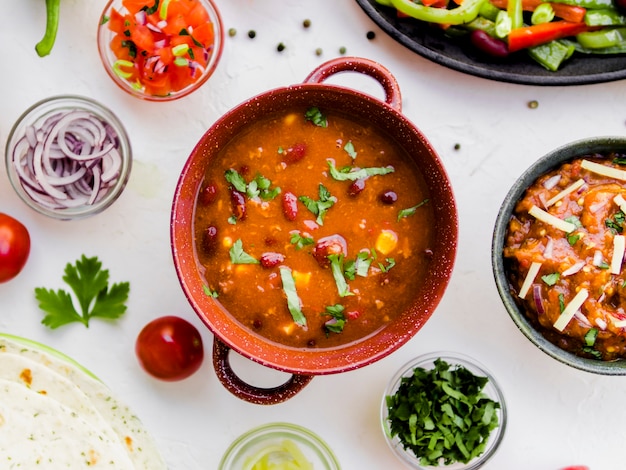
(572,13)
(531,36)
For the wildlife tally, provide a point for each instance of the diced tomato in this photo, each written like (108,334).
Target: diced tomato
(133,6)
(198,16)
(204,34)
(187,22)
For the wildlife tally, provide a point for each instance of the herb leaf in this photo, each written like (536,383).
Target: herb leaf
(338,320)
(551,279)
(294,304)
(239,256)
(336,266)
(321,206)
(350,150)
(90,286)
(316,117)
(442,415)
(259,187)
(411,210)
(353,174)
(300,241)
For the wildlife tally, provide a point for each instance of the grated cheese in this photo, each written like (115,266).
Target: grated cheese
(604,170)
(621,202)
(550,219)
(571,309)
(530,277)
(570,189)
(619,246)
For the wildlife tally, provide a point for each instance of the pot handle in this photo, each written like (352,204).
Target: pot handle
(364,66)
(247,392)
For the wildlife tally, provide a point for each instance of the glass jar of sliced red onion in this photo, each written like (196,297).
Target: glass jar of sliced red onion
(68,157)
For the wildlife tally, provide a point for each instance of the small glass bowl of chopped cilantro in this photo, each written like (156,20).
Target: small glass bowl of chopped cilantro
(443,410)
(279,445)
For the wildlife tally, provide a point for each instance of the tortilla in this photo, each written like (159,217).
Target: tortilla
(53,403)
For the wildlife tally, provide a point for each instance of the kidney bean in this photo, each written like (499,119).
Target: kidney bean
(209,240)
(489,45)
(353,314)
(271,259)
(290,205)
(331,245)
(238,203)
(388,197)
(356,187)
(208,194)
(295,153)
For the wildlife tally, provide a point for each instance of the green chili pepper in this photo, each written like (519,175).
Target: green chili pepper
(44,46)
(602,39)
(590,4)
(604,17)
(463,14)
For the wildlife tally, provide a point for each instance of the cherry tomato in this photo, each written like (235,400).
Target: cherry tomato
(14,247)
(169,348)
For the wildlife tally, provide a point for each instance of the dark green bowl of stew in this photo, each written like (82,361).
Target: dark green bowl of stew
(558,254)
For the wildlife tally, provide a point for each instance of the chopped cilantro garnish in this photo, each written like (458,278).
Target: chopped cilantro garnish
(551,279)
(336,266)
(259,187)
(390,264)
(358,267)
(316,117)
(572,219)
(338,321)
(319,207)
(300,241)
(294,304)
(616,224)
(411,210)
(353,174)
(442,415)
(561,303)
(350,150)
(238,256)
(210,293)
(90,285)
(620,160)
(573,237)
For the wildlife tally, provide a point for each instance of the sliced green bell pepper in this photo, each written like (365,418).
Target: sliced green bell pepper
(464,13)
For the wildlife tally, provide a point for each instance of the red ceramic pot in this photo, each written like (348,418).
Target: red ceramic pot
(229,334)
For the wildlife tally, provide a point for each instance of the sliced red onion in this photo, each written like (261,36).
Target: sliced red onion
(601,323)
(141,17)
(547,251)
(538,299)
(597,258)
(582,318)
(71,159)
(552,181)
(573,269)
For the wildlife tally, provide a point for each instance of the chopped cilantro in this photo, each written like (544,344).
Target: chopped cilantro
(551,279)
(442,415)
(210,293)
(390,264)
(573,237)
(316,117)
(238,256)
(358,267)
(321,206)
(338,320)
(353,174)
(259,187)
(411,210)
(572,219)
(294,304)
(300,241)
(336,266)
(350,150)
(616,224)
(90,285)
(620,160)
(561,303)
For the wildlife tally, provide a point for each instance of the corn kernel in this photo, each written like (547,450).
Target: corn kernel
(227,242)
(301,279)
(386,242)
(290,119)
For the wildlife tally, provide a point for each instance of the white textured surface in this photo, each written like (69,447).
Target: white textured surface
(557,415)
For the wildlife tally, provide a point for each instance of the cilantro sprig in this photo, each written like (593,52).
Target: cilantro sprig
(321,206)
(352,174)
(258,187)
(442,415)
(92,294)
